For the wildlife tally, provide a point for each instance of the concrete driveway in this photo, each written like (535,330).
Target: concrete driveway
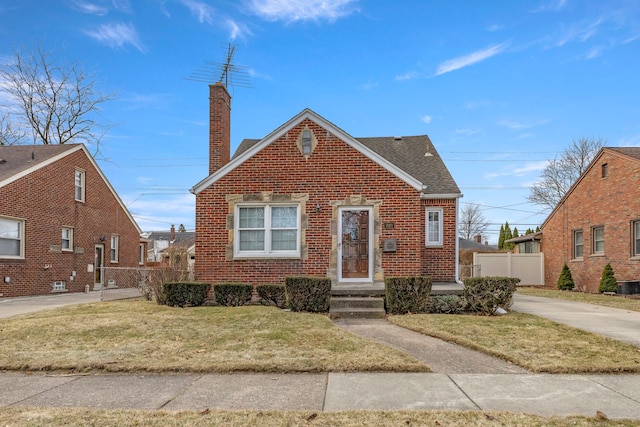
(616,323)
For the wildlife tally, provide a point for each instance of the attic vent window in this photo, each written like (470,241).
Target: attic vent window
(306,142)
(605,170)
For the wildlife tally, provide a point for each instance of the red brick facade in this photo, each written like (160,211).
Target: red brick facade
(608,196)
(45,200)
(333,176)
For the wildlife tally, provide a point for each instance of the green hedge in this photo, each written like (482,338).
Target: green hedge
(310,294)
(232,294)
(485,295)
(272,295)
(407,294)
(181,294)
(447,304)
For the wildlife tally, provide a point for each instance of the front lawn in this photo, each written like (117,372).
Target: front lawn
(136,336)
(532,342)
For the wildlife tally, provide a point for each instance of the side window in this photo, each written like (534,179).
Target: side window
(67,239)
(11,238)
(598,240)
(434,227)
(115,242)
(79,185)
(635,239)
(578,244)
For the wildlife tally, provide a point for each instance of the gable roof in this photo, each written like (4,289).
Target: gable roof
(17,161)
(631,153)
(526,238)
(464,244)
(183,238)
(412,159)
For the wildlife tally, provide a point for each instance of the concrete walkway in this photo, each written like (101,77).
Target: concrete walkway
(24,305)
(620,324)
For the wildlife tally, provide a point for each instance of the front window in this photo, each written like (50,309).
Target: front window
(636,238)
(115,242)
(79,185)
(11,238)
(578,244)
(434,227)
(67,239)
(598,240)
(267,230)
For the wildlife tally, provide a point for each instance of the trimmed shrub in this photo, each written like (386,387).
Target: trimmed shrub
(310,294)
(181,294)
(484,295)
(272,295)
(608,282)
(565,281)
(232,294)
(447,304)
(407,294)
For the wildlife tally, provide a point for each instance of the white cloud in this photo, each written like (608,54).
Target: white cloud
(521,125)
(153,211)
(117,35)
(426,119)
(630,141)
(202,11)
(467,132)
(237,30)
(580,33)
(553,6)
(301,10)
(370,85)
(122,5)
(494,27)
(519,169)
(472,58)
(407,76)
(91,8)
(594,52)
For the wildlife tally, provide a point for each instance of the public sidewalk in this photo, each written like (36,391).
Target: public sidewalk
(617,396)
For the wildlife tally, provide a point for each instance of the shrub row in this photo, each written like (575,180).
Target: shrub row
(485,295)
(407,294)
(181,294)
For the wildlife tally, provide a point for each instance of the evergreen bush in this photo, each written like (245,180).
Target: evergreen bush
(484,295)
(311,294)
(272,295)
(608,282)
(232,294)
(407,294)
(447,304)
(182,294)
(565,281)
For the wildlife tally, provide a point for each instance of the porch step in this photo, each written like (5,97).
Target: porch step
(356,308)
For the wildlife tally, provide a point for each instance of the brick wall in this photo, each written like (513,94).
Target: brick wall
(334,172)
(612,202)
(45,200)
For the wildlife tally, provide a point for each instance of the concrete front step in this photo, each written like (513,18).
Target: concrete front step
(357,308)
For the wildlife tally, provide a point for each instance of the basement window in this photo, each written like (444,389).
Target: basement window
(59,286)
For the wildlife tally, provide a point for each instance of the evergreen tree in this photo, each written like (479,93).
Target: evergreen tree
(537,229)
(507,235)
(565,281)
(501,238)
(515,232)
(608,282)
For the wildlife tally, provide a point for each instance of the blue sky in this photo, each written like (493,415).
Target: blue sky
(499,86)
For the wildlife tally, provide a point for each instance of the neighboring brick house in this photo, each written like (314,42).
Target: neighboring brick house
(309,199)
(60,220)
(597,222)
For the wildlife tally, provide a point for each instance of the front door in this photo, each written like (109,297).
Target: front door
(355,249)
(98,263)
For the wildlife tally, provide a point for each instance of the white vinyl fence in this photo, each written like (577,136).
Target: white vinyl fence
(529,268)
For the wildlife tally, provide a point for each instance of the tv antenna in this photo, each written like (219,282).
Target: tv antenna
(226,72)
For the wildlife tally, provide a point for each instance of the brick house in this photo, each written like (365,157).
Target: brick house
(597,222)
(60,220)
(309,199)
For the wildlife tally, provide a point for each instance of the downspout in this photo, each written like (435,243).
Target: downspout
(457,274)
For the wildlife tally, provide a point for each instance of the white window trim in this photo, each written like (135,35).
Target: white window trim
(142,254)
(574,254)
(82,184)
(634,225)
(440,240)
(114,250)
(593,240)
(70,248)
(267,252)
(21,237)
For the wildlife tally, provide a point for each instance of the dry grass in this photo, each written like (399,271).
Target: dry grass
(135,336)
(532,342)
(616,301)
(36,417)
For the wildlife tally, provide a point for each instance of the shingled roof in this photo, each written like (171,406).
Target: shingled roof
(627,151)
(17,159)
(415,155)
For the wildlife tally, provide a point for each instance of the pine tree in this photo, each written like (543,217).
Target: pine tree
(515,232)
(501,238)
(608,282)
(537,229)
(565,281)
(507,236)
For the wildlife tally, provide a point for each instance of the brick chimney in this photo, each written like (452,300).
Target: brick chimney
(172,233)
(478,238)
(219,126)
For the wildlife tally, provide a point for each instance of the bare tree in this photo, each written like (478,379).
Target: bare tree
(471,222)
(55,102)
(563,171)
(10,132)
